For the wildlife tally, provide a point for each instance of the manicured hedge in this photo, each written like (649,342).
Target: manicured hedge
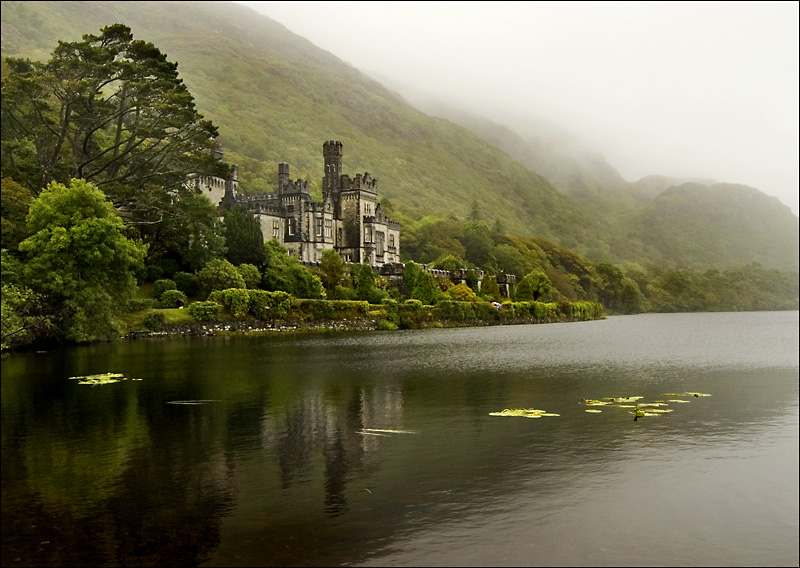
(332,309)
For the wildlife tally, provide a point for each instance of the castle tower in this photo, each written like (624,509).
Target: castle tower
(332,152)
(283,176)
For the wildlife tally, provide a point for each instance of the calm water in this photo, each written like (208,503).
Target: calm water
(281,461)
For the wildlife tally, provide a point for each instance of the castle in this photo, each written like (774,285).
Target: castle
(348,220)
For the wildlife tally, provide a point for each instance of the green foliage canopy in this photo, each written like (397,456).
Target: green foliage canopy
(287,274)
(14,205)
(109,109)
(219,274)
(250,274)
(79,258)
(332,271)
(533,286)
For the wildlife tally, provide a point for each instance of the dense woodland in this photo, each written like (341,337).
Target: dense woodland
(100,234)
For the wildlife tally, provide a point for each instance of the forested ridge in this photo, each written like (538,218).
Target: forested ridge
(78,115)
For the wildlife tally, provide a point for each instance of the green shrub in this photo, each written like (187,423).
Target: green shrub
(365,284)
(235,300)
(344,293)
(317,309)
(333,309)
(186,283)
(508,310)
(484,311)
(411,306)
(172,299)
(462,293)
(392,311)
(204,311)
(586,310)
(154,320)
(269,306)
(161,286)
(545,310)
(251,275)
(454,311)
(426,290)
(219,274)
(386,326)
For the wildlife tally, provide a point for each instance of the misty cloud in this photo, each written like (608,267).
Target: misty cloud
(698,89)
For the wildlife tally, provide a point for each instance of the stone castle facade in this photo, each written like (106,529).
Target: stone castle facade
(348,220)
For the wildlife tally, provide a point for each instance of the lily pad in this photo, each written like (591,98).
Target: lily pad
(593,411)
(523,412)
(101,379)
(624,399)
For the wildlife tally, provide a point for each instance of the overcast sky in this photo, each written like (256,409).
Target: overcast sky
(687,89)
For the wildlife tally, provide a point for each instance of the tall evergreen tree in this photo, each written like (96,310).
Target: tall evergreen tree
(243,237)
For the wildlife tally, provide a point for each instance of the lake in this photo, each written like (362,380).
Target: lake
(381,449)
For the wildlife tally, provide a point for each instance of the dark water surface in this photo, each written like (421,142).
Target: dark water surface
(284,458)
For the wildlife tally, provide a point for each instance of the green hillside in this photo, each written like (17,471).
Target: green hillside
(670,222)
(276,97)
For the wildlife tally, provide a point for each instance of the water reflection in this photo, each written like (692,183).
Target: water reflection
(379,448)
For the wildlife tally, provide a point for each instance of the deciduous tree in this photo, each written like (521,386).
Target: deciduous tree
(532,286)
(287,274)
(79,258)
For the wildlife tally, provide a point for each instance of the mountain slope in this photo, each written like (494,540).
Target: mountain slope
(276,97)
(714,225)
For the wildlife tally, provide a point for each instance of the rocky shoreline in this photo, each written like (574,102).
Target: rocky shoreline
(253,327)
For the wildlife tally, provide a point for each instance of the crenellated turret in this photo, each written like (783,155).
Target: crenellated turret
(283,176)
(332,153)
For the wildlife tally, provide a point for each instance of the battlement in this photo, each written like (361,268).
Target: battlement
(286,185)
(361,183)
(295,186)
(382,220)
(332,147)
(307,227)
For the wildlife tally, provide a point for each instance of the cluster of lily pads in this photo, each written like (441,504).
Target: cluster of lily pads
(524,412)
(101,379)
(639,409)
